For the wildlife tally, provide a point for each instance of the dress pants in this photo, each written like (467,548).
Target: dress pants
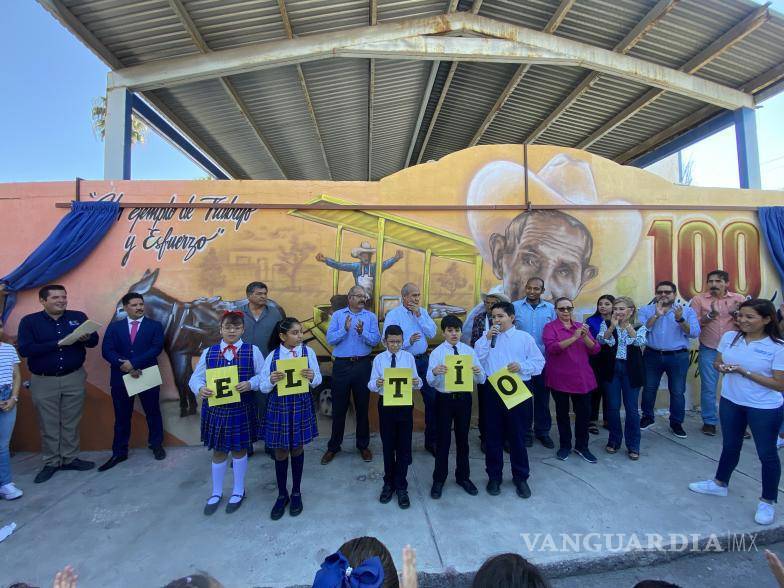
(429,399)
(582,412)
(123,413)
(59,401)
(396,425)
(482,390)
(350,378)
(503,423)
(452,407)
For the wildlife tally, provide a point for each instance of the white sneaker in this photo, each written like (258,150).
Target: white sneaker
(708,487)
(765,513)
(779,442)
(10,491)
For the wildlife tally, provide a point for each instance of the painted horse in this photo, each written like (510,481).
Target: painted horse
(188,328)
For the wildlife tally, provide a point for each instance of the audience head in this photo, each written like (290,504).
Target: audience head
(625,309)
(200,580)
(509,570)
(655,584)
(393,338)
(757,314)
(365,560)
(604,305)
(232,325)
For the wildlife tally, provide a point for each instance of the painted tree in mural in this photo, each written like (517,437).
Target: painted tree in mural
(292,257)
(452,279)
(211,274)
(98,114)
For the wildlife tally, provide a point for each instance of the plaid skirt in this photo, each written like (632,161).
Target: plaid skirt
(230,427)
(290,421)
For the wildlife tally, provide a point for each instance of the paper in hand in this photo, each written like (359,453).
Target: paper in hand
(88,327)
(150,378)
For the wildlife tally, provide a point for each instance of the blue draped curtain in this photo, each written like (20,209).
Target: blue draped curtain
(72,240)
(772,225)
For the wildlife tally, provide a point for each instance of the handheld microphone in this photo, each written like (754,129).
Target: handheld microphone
(492,340)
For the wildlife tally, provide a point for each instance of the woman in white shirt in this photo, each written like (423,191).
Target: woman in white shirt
(752,362)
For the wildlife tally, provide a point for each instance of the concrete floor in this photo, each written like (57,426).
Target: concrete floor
(140,524)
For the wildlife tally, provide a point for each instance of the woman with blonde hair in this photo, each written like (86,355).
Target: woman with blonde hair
(626,376)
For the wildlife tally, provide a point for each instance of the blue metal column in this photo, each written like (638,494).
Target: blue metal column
(117,135)
(748,149)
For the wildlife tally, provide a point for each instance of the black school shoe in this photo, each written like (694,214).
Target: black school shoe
(386,494)
(159,452)
(523,491)
(209,509)
(402,499)
(45,473)
(296,505)
(493,487)
(234,506)
(468,486)
(436,490)
(279,508)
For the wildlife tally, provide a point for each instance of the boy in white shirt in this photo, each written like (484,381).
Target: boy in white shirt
(396,423)
(452,407)
(503,346)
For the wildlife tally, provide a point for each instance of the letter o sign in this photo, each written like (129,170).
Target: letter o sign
(507,385)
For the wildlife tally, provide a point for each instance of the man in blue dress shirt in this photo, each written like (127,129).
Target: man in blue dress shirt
(671,327)
(417,327)
(352,333)
(531,315)
(58,378)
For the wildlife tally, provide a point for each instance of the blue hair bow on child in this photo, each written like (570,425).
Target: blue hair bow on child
(336,572)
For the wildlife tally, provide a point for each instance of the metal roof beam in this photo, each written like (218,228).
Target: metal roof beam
(755,19)
(437,111)
(185,18)
(662,8)
(511,51)
(405,40)
(371,91)
(284,15)
(555,21)
(756,84)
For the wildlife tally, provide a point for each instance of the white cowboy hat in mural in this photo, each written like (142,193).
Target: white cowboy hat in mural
(571,250)
(364,247)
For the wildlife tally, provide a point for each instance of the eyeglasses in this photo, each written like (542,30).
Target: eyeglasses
(232,327)
(565,308)
(665,292)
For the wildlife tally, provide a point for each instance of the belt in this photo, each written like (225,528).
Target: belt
(353,358)
(59,374)
(421,355)
(666,352)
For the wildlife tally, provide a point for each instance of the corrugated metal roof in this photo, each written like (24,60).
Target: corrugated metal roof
(133,32)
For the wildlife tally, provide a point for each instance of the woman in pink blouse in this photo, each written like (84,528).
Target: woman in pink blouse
(568,374)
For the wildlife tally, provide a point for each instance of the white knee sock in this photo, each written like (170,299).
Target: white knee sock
(218,473)
(240,467)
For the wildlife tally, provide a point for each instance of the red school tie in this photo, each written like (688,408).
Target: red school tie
(134,330)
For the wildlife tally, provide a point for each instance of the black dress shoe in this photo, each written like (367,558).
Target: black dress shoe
(46,473)
(468,486)
(494,487)
(80,465)
(402,499)
(436,490)
(234,506)
(523,491)
(112,461)
(507,447)
(483,446)
(386,494)
(296,504)
(546,441)
(529,441)
(431,449)
(159,452)
(279,508)
(210,509)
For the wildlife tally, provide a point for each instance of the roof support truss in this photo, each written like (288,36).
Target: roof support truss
(408,39)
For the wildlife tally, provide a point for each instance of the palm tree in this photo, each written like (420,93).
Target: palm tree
(98,113)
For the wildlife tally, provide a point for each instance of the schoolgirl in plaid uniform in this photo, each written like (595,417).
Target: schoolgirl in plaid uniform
(229,428)
(290,421)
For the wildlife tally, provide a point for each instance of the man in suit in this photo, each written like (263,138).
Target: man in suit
(131,345)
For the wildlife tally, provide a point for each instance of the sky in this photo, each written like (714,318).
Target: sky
(52,80)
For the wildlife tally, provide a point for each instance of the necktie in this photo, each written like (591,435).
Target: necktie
(293,353)
(134,330)
(454,347)
(394,361)
(233,352)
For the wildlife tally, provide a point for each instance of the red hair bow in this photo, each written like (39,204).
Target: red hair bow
(232,313)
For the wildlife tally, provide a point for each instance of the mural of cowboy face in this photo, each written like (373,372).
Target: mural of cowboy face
(547,244)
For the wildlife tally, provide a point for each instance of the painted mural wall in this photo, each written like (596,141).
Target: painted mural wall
(193,263)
